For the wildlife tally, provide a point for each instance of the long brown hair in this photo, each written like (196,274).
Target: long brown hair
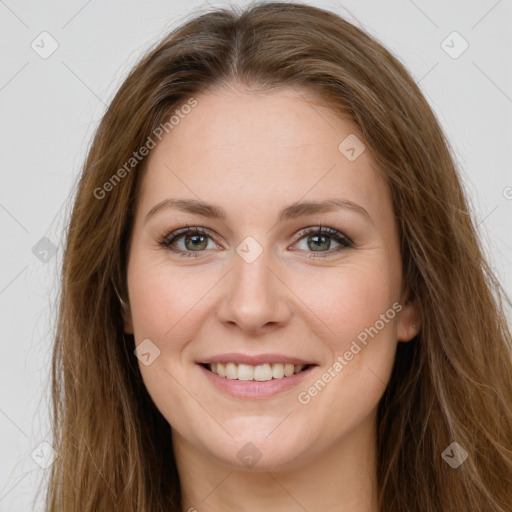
(452,383)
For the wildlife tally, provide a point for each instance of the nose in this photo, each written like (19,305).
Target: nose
(254,296)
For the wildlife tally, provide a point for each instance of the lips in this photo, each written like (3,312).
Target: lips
(255,375)
(262,388)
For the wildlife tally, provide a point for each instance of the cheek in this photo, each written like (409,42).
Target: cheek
(347,300)
(164,307)
(167,303)
(357,326)
(368,327)
(156,304)
(362,316)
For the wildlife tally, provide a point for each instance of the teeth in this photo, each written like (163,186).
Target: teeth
(231,371)
(245,372)
(277,371)
(260,372)
(289,370)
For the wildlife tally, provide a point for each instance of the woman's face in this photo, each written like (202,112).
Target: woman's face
(259,285)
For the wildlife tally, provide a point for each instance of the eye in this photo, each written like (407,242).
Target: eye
(320,238)
(195,240)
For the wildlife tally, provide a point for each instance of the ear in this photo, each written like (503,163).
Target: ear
(125,311)
(409,318)
(127,319)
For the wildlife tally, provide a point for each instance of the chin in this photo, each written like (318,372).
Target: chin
(260,447)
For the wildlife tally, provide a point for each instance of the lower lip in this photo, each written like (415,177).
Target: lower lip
(255,389)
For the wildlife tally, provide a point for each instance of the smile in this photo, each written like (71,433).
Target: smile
(259,381)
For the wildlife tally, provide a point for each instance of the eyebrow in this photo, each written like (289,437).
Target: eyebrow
(293,211)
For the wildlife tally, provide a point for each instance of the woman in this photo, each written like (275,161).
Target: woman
(273,293)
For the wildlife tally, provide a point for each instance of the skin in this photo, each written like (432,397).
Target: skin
(253,154)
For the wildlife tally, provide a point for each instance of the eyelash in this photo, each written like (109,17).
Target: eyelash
(170,238)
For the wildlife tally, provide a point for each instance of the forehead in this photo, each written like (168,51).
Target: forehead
(257,149)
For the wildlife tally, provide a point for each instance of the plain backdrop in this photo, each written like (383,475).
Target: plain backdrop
(51,104)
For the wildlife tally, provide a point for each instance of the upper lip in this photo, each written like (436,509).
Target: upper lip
(254,360)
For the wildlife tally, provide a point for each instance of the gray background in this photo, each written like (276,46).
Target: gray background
(51,106)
